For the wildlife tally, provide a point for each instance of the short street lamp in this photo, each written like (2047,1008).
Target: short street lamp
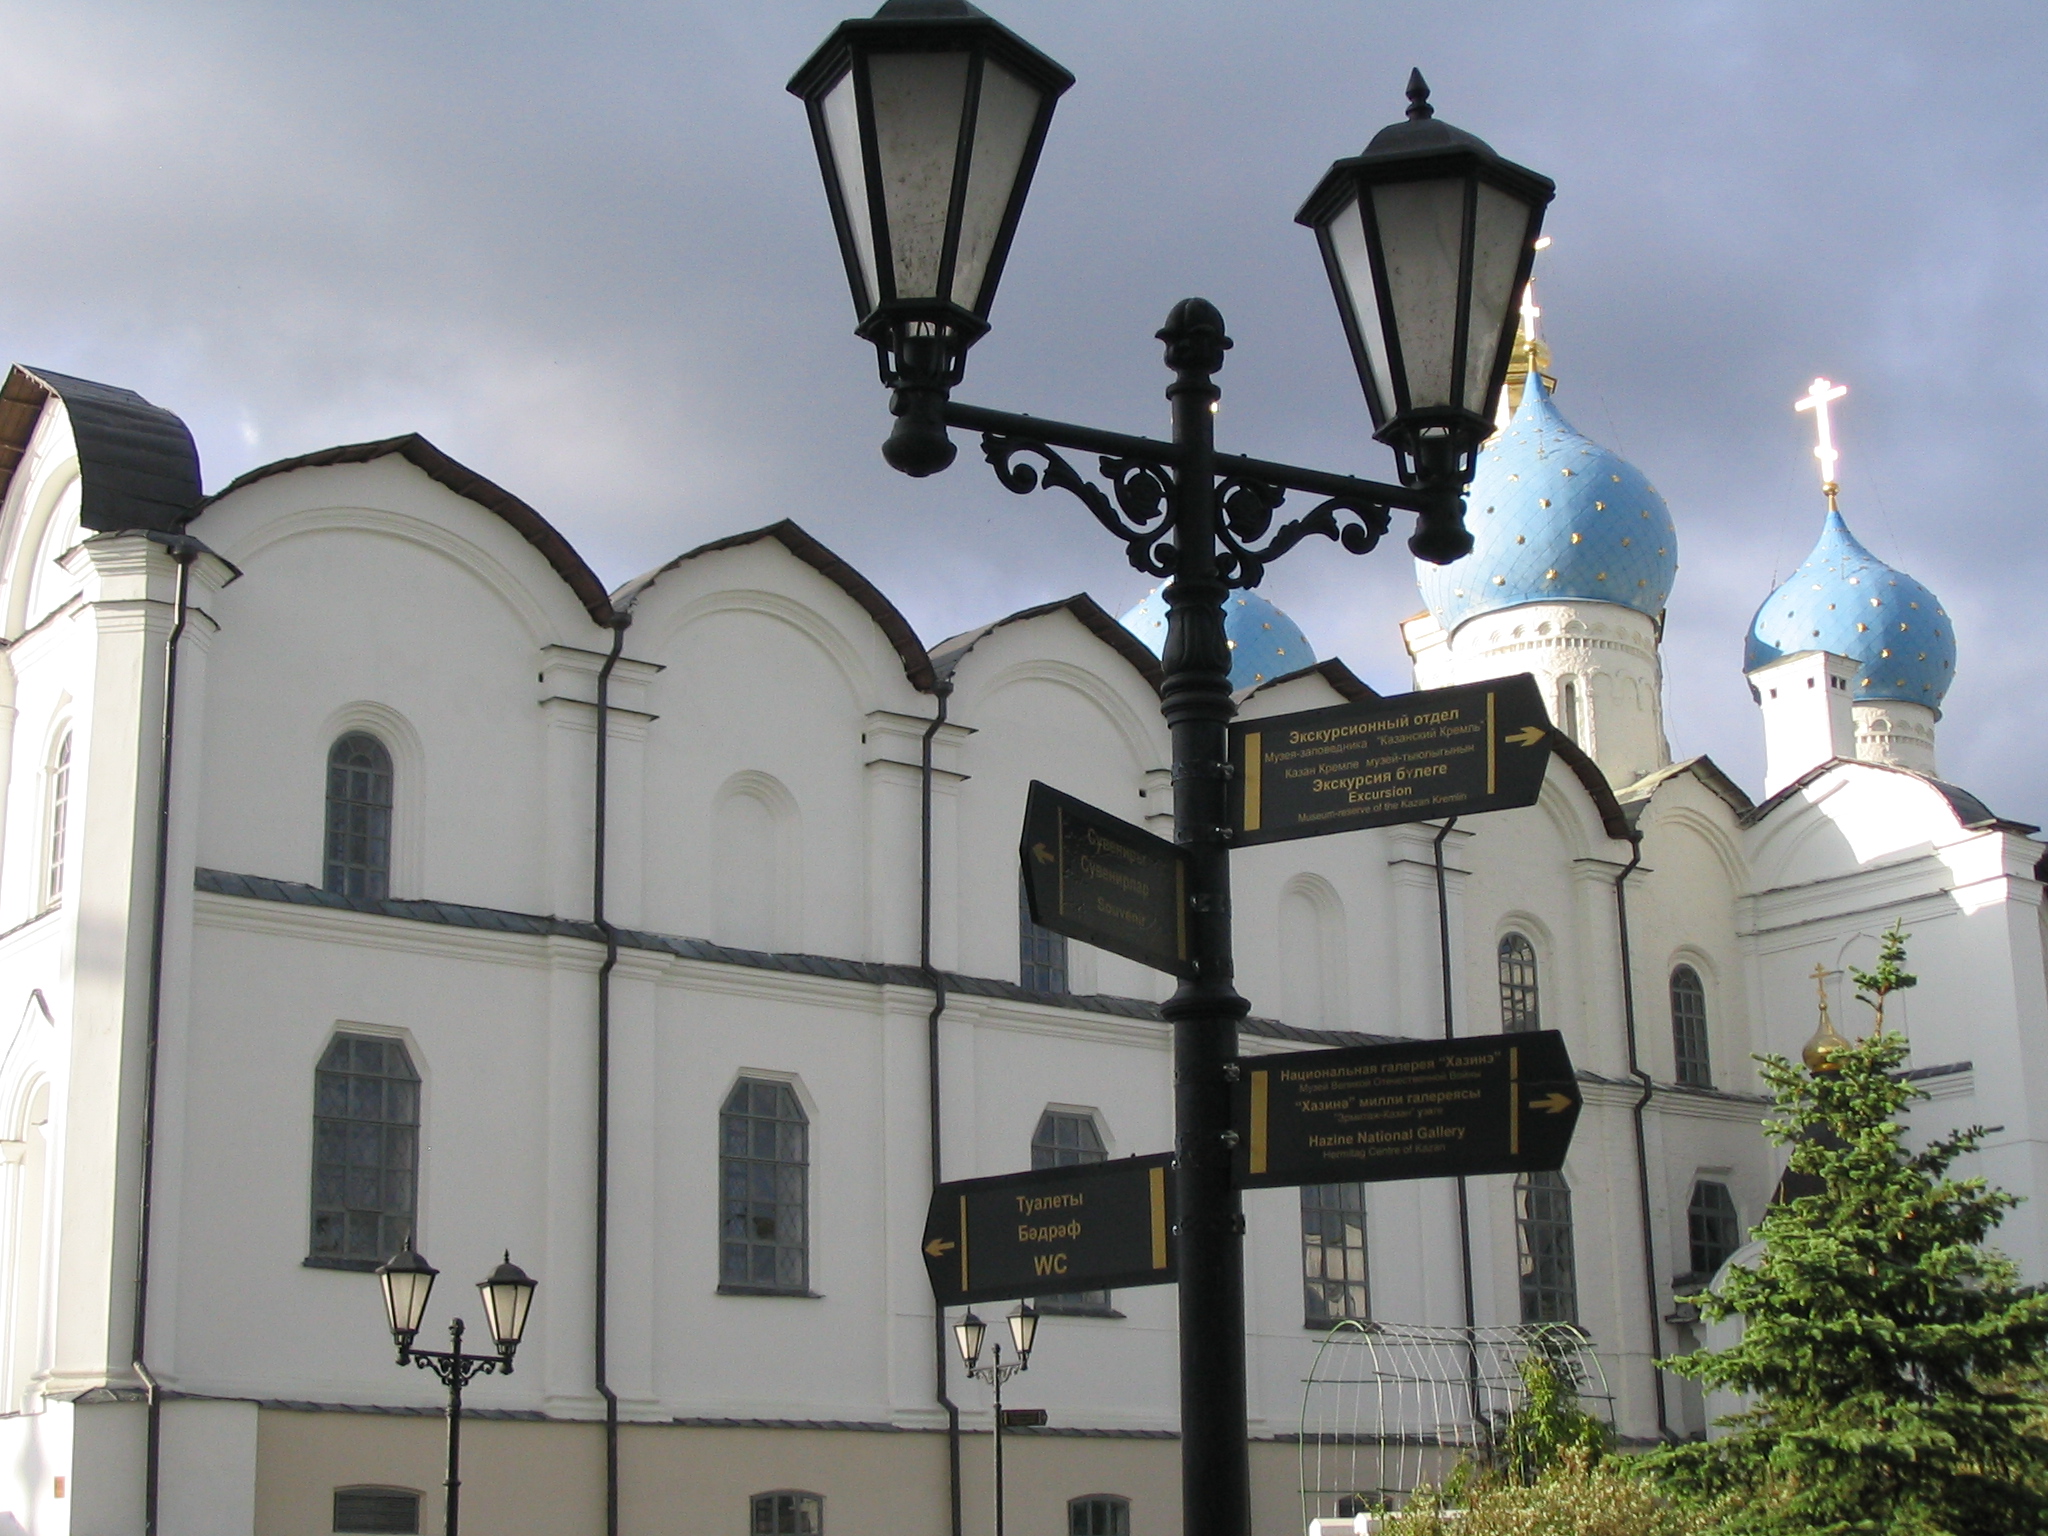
(970,1331)
(507,1294)
(928,119)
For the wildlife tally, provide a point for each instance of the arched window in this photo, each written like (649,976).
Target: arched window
(1568,708)
(358,861)
(57,822)
(1333,1254)
(1065,1139)
(1041,953)
(1518,1009)
(26,1277)
(1311,952)
(787,1512)
(1689,1028)
(1716,1228)
(1099,1514)
(764,1171)
(1543,1242)
(378,1510)
(366,1133)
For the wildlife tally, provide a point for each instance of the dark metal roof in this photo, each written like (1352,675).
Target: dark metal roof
(138,467)
(1635,798)
(917,665)
(464,481)
(1595,784)
(1971,814)
(1093,617)
(220,882)
(1348,683)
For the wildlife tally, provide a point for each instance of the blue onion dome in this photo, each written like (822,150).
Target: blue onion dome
(1555,518)
(1264,642)
(1846,600)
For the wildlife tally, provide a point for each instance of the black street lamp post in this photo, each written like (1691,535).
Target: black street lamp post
(928,118)
(969,1332)
(507,1295)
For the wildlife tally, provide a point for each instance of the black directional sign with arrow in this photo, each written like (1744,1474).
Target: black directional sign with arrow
(1414,1110)
(1101,880)
(1446,752)
(1092,1227)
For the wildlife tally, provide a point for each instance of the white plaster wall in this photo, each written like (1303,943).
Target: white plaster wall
(747,671)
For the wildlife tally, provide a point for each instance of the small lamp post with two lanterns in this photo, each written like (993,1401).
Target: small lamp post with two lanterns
(970,1332)
(507,1293)
(928,119)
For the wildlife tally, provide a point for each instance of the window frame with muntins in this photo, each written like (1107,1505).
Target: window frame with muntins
(1042,959)
(1713,1226)
(56,823)
(786,1512)
(1546,1257)
(399,1517)
(764,1190)
(1334,1211)
(361,791)
(366,1140)
(1521,1002)
(1691,1055)
(1099,1514)
(1071,1138)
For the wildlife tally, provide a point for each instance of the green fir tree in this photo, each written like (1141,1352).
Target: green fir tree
(1891,1361)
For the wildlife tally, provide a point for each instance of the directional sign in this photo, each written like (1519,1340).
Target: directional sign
(1421,1109)
(1447,752)
(1086,1228)
(1105,882)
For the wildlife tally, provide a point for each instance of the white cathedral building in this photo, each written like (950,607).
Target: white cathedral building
(369,869)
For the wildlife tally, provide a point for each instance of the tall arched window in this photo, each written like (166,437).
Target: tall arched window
(57,822)
(1714,1227)
(366,1133)
(1568,708)
(764,1170)
(1333,1264)
(1041,953)
(358,861)
(1689,1028)
(1065,1139)
(1543,1242)
(1518,1008)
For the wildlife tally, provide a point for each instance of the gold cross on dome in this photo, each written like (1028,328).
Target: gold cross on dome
(1529,309)
(1817,401)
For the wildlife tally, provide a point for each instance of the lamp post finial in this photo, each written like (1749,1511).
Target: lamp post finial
(1418,97)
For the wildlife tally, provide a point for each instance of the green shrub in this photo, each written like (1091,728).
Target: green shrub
(1579,1496)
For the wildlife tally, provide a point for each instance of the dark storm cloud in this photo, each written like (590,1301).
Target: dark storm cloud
(583,249)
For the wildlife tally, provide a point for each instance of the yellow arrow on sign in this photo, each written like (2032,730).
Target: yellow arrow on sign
(1527,736)
(1553,1103)
(939,1247)
(1042,853)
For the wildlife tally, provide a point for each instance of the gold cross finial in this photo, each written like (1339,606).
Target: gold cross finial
(1817,401)
(1826,1041)
(1529,310)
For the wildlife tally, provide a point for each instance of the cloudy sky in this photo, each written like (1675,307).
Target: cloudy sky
(583,248)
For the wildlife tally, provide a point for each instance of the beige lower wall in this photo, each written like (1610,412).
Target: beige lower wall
(522,1478)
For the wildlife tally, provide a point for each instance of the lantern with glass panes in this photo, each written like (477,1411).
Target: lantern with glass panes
(507,1295)
(969,1334)
(928,119)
